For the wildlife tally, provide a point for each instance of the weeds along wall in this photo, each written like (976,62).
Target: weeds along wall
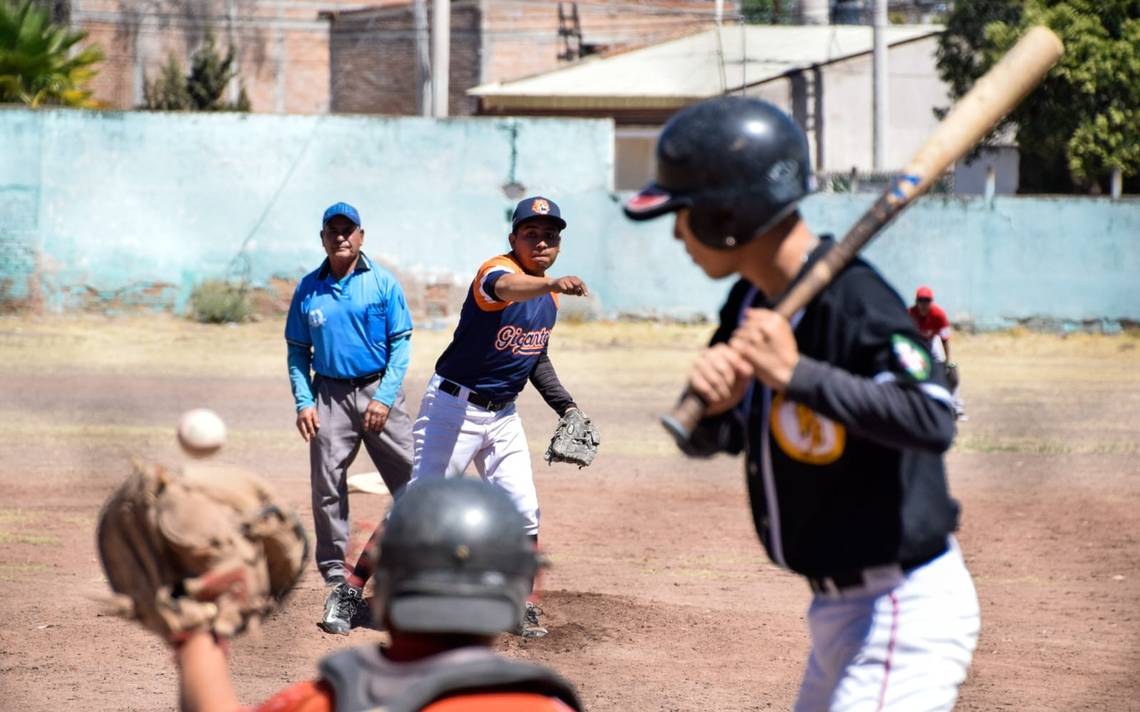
(118,210)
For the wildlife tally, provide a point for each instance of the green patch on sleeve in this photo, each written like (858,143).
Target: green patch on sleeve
(911,357)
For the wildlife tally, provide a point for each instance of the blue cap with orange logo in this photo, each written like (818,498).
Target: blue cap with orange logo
(537,207)
(341,209)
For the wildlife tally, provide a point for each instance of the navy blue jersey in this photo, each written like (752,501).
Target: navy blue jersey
(497,343)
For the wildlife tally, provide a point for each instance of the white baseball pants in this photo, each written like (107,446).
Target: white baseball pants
(905,646)
(450,433)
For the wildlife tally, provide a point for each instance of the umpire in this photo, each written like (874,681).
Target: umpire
(842,414)
(350,325)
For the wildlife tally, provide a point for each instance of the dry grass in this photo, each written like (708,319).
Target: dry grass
(21,572)
(16,517)
(641,362)
(30,538)
(164,344)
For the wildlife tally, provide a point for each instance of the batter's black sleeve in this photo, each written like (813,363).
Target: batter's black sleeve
(878,380)
(546,381)
(895,414)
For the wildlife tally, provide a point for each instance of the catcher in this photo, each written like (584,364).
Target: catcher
(468,410)
(201,557)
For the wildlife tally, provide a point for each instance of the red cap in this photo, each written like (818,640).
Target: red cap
(924,293)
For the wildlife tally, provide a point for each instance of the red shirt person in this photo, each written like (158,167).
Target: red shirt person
(931,320)
(934,327)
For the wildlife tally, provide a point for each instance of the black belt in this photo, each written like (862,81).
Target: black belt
(358,381)
(454,389)
(842,580)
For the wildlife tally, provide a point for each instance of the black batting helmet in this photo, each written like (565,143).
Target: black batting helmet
(739,164)
(454,558)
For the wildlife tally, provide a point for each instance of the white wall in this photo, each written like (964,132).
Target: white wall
(914,91)
(970,178)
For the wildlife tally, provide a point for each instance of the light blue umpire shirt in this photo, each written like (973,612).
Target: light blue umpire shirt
(348,328)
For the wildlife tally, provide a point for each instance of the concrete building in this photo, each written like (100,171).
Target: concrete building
(820,74)
(993,170)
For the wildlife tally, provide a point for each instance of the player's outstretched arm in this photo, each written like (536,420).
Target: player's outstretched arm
(521,287)
(204,676)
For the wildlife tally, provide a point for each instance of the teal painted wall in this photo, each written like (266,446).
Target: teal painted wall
(1054,258)
(135,208)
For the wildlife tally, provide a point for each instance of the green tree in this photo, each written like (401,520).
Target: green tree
(1084,119)
(168,91)
(40,63)
(203,89)
(210,73)
(768,12)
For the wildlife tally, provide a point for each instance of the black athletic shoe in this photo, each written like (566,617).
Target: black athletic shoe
(340,609)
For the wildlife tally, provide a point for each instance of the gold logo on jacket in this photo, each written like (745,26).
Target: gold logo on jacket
(806,436)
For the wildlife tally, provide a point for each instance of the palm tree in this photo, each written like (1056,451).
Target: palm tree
(37,64)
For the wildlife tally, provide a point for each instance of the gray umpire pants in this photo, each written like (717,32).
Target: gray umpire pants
(340,410)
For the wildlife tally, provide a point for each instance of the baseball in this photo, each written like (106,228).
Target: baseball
(201,432)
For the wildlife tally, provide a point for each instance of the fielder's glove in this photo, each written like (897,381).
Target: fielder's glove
(205,549)
(952,375)
(575,440)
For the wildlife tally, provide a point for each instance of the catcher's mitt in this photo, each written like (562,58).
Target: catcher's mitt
(575,440)
(205,549)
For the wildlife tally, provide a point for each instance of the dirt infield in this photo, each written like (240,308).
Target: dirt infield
(660,597)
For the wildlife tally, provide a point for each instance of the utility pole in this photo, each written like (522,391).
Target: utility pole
(440,55)
(232,89)
(880,98)
(423,61)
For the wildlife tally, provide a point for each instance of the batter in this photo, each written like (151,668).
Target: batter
(842,415)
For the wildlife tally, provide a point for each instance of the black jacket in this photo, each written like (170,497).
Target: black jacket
(845,468)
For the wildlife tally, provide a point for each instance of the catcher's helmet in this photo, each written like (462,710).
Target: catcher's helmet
(739,164)
(454,558)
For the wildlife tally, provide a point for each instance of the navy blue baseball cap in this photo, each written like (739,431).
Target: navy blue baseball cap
(537,207)
(341,209)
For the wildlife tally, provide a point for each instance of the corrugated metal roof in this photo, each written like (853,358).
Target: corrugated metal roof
(680,71)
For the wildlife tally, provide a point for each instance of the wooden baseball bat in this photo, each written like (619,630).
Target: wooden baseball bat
(990,99)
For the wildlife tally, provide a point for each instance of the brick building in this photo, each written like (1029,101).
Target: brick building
(282,45)
(316,56)
(373,49)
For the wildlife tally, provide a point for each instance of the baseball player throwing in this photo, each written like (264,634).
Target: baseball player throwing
(842,414)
